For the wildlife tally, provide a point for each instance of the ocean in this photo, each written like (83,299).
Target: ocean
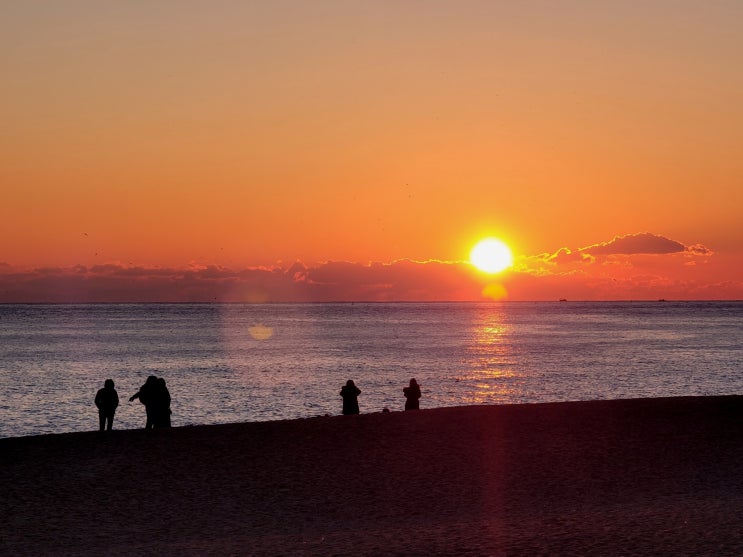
(253,362)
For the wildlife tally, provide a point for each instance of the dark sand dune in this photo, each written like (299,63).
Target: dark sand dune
(634,477)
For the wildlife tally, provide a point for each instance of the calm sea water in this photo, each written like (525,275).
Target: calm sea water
(234,362)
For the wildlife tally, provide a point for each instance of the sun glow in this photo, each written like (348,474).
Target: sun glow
(491,256)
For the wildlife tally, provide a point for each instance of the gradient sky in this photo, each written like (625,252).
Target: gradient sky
(341,150)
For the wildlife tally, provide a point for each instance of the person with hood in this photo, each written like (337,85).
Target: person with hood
(350,392)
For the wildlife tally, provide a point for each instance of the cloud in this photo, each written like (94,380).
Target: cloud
(632,251)
(331,281)
(564,256)
(699,249)
(632,244)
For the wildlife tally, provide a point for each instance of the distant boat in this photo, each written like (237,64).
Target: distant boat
(563,299)
(661,299)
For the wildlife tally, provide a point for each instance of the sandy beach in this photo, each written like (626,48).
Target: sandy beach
(629,477)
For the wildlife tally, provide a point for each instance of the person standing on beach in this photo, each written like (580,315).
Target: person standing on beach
(147,395)
(107,400)
(161,401)
(350,392)
(412,395)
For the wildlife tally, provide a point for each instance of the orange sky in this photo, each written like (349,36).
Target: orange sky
(145,139)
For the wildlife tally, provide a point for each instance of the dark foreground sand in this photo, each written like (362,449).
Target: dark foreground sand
(635,477)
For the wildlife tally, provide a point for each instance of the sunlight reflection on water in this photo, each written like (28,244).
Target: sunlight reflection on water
(491,370)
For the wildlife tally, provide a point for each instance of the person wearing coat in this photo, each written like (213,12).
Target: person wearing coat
(350,392)
(412,395)
(106,400)
(147,395)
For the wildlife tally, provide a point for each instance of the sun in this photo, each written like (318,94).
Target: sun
(491,255)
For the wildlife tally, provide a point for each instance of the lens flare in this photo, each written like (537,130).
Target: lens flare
(495,291)
(260,332)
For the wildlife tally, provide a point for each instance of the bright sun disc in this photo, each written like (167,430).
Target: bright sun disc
(491,256)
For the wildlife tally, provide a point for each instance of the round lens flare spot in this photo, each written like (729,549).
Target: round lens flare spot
(495,291)
(491,256)
(260,332)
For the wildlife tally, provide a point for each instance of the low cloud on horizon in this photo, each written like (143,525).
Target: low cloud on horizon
(634,266)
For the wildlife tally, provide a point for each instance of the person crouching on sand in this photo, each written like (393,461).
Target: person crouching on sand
(412,395)
(107,400)
(350,403)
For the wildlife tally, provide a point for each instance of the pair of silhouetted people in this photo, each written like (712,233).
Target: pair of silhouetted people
(107,400)
(155,396)
(350,393)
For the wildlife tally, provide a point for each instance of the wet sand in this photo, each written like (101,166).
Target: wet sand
(631,477)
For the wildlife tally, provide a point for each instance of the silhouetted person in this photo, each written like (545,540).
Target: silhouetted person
(350,403)
(147,395)
(412,394)
(161,402)
(107,400)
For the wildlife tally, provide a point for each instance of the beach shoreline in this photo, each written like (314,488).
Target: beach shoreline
(641,476)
